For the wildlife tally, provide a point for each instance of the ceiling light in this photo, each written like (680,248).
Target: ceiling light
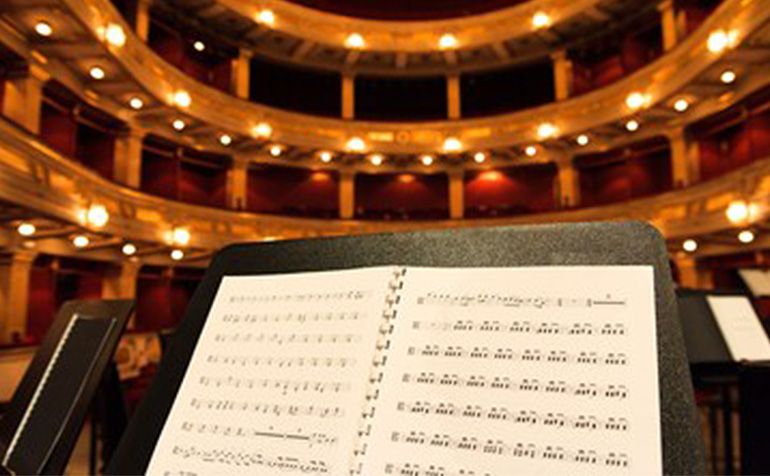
(479,157)
(546,130)
(447,41)
(452,144)
(177,254)
(355,41)
(199,45)
(427,160)
(178,124)
(43,29)
(182,99)
(728,76)
(690,245)
(531,151)
(746,236)
(180,236)
(720,40)
(636,100)
(582,139)
(356,144)
(97,216)
(262,130)
(129,249)
(632,125)
(115,35)
(541,20)
(225,140)
(266,17)
(136,103)
(97,73)
(26,229)
(681,105)
(326,157)
(276,150)
(80,241)
(376,159)
(737,211)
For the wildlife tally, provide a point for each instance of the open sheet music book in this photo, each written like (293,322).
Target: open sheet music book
(422,372)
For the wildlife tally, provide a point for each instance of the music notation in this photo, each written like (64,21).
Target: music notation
(523,417)
(512,300)
(516,450)
(295,298)
(295,317)
(431,470)
(524,327)
(525,355)
(274,409)
(583,389)
(280,339)
(284,385)
(239,458)
(312,439)
(281,362)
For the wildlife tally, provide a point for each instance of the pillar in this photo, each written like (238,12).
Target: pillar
(142,24)
(120,283)
(14,294)
(685,158)
(668,23)
(562,75)
(569,184)
(128,158)
(241,74)
(348,96)
(23,98)
(453,96)
(693,274)
(456,194)
(347,194)
(237,180)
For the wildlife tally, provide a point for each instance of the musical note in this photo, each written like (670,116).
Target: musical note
(524,327)
(284,338)
(525,355)
(356,295)
(275,409)
(312,439)
(295,317)
(232,457)
(284,385)
(281,362)
(514,301)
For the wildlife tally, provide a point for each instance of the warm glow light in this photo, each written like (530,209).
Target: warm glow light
(129,249)
(225,140)
(636,100)
(26,229)
(681,105)
(737,211)
(177,255)
(720,40)
(746,236)
(199,45)
(43,29)
(182,99)
(263,130)
(356,144)
(728,76)
(376,159)
(583,139)
(319,176)
(355,41)
(427,160)
(115,35)
(479,157)
(97,73)
(406,178)
(97,216)
(136,103)
(690,245)
(452,144)
(491,176)
(266,17)
(180,236)
(326,157)
(447,41)
(531,151)
(546,130)
(632,125)
(541,20)
(80,241)
(178,124)
(276,150)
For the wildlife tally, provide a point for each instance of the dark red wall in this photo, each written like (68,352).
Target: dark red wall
(203,184)
(58,129)
(162,296)
(402,196)
(95,148)
(510,191)
(292,191)
(159,174)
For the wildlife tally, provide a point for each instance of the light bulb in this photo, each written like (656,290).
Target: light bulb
(632,125)
(262,130)
(531,151)
(427,160)
(276,150)
(690,245)
(178,124)
(266,17)
(80,241)
(326,157)
(728,76)
(356,144)
(180,236)
(136,103)
(43,28)
(97,216)
(355,41)
(546,130)
(447,41)
(376,159)
(583,139)
(452,144)
(26,229)
(129,249)
(681,105)
(737,211)
(115,35)
(746,236)
(541,20)
(182,99)
(225,140)
(97,73)
(720,40)
(636,100)
(199,45)
(479,157)
(177,254)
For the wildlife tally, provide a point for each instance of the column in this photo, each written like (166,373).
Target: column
(569,183)
(562,75)
(685,158)
(668,24)
(128,157)
(241,74)
(237,180)
(348,96)
(453,96)
(692,274)
(142,22)
(347,194)
(14,294)
(23,98)
(456,194)
(120,283)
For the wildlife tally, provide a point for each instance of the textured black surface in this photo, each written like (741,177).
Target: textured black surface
(574,244)
(702,337)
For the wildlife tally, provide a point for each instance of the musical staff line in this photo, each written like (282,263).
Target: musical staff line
(280,339)
(312,439)
(297,317)
(231,457)
(512,300)
(526,355)
(523,327)
(267,408)
(355,295)
(284,385)
(280,362)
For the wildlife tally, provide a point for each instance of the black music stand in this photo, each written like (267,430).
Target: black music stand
(48,409)
(572,244)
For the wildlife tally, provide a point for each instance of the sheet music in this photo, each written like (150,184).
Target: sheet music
(758,281)
(740,326)
(493,372)
(278,379)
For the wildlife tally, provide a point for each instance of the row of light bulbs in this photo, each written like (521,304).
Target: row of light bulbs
(738,212)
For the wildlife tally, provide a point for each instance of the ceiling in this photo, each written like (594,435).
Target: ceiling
(408,10)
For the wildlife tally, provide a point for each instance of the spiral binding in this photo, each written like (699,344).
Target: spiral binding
(393,297)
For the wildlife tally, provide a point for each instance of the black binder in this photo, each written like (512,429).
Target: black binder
(572,244)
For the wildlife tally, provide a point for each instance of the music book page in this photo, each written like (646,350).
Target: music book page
(278,379)
(740,326)
(494,372)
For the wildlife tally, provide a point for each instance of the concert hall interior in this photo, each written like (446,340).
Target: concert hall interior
(140,137)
